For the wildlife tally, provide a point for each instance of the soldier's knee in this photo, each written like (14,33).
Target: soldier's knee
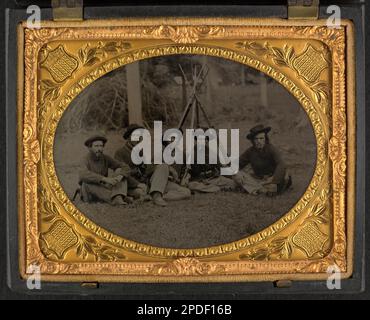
(141,190)
(85,193)
(163,167)
(84,186)
(186,193)
(238,179)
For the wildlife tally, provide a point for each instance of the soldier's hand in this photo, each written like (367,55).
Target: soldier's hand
(110,181)
(271,188)
(118,178)
(269,181)
(135,172)
(174,174)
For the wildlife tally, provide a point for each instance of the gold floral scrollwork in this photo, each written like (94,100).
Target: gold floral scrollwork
(281,56)
(50,91)
(336,149)
(335,258)
(308,65)
(183,34)
(187,267)
(32,152)
(35,40)
(61,237)
(308,237)
(89,246)
(89,55)
(331,36)
(281,248)
(31,156)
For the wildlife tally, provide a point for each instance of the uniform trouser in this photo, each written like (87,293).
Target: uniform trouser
(170,190)
(99,192)
(247,180)
(212,185)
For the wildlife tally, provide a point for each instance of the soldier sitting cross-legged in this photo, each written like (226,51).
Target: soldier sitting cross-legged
(97,185)
(262,169)
(156,177)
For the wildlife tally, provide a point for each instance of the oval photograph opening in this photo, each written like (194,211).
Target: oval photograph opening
(252,165)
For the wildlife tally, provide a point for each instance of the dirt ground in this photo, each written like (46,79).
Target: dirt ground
(205,219)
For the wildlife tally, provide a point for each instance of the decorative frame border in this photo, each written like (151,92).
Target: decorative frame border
(240,261)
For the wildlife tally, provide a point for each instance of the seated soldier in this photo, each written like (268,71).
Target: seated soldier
(156,177)
(95,183)
(262,169)
(206,178)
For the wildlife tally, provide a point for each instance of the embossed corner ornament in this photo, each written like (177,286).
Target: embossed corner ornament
(60,64)
(60,61)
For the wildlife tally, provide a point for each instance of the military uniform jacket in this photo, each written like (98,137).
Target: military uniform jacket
(264,162)
(93,169)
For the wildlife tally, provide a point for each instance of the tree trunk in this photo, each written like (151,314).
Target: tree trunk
(184,93)
(263,90)
(135,113)
(208,106)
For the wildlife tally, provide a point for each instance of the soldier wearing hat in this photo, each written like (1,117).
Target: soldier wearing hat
(262,169)
(206,178)
(156,177)
(97,185)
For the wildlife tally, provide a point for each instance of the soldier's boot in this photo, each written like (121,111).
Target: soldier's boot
(128,199)
(118,201)
(158,199)
(121,200)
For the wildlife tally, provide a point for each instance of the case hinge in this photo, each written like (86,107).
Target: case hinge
(303,9)
(90,285)
(67,10)
(283,284)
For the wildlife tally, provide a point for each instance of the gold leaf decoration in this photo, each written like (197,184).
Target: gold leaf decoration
(90,55)
(281,56)
(32,152)
(283,247)
(187,267)
(50,91)
(280,247)
(88,246)
(253,46)
(183,34)
(50,211)
(321,94)
(307,65)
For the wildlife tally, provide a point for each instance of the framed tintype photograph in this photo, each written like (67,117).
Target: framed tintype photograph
(186,150)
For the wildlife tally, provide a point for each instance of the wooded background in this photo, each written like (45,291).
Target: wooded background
(157,90)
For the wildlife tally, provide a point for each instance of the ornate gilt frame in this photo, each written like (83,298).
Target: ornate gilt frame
(314,63)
